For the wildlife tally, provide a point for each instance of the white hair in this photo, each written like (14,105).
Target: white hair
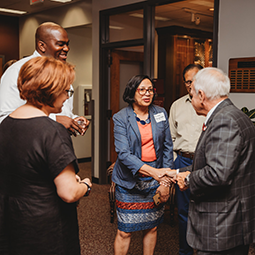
(213,81)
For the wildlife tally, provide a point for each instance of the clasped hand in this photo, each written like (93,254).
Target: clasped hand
(165,179)
(180,178)
(168,176)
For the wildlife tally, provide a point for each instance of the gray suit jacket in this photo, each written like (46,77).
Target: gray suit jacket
(222,182)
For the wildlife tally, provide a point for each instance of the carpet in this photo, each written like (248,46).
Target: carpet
(97,234)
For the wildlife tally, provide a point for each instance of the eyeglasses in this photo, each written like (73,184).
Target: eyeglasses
(143,91)
(188,82)
(69,92)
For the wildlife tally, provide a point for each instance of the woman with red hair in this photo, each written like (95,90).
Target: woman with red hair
(38,182)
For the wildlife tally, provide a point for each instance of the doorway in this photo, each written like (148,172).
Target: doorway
(125,42)
(139,25)
(124,65)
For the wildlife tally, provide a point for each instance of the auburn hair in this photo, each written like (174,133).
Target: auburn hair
(42,79)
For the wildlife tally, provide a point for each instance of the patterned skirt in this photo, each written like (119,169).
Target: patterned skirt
(135,207)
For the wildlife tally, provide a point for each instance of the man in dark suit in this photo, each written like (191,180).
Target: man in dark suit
(222,178)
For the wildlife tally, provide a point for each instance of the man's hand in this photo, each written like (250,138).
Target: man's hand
(181,180)
(172,175)
(72,125)
(68,123)
(84,124)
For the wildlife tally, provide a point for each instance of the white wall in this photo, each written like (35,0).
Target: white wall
(76,19)
(236,39)
(80,55)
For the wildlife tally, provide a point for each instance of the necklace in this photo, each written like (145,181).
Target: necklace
(143,122)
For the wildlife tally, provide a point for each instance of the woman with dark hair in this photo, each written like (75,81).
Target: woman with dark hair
(145,153)
(38,182)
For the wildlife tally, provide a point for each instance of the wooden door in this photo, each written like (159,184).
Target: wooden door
(183,56)
(118,56)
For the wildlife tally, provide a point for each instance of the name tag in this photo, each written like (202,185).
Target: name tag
(159,117)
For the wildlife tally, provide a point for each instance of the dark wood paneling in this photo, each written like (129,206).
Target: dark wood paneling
(9,37)
(175,52)
(118,56)
(242,75)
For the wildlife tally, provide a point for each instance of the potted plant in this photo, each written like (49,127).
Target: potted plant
(250,114)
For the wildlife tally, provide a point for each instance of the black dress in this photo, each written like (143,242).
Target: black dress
(34,220)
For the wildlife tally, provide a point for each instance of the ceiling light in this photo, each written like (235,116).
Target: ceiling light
(12,11)
(139,15)
(116,27)
(196,12)
(161,18)
(62,1)
(192,17)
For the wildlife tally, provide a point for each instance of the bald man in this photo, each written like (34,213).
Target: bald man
(51,40)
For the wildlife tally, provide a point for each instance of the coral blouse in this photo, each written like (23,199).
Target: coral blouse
(148,150)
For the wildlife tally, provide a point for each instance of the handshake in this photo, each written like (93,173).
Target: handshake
(168,176)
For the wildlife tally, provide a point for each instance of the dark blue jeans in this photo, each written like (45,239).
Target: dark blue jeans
(182,198)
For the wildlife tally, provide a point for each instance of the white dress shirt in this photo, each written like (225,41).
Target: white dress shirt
(185,125)
(9,94)
(211,112)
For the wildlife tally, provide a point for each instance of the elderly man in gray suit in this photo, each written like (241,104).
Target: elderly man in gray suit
(222,178)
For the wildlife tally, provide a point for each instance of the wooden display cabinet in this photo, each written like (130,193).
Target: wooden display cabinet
(177,48)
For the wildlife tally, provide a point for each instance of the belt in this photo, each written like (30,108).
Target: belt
(185,154)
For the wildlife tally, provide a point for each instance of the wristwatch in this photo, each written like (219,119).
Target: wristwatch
(186,180)
(88,191)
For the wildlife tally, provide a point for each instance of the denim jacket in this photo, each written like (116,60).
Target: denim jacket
(127,140)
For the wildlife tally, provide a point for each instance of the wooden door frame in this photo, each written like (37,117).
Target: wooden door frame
(116,57)
(105,46)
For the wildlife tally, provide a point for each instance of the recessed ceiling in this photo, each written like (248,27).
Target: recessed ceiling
(179,13)
(193,14)
(24,5)
(185,13)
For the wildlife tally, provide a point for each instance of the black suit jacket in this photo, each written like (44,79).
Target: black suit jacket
(222,182)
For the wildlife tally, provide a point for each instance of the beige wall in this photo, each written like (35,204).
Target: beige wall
(236,39)
(81,56)
(76,19)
